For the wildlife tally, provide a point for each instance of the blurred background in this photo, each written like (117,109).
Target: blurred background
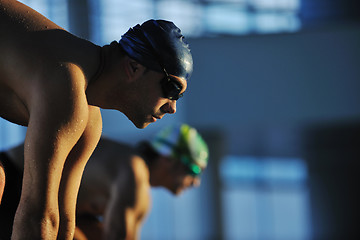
(275,92)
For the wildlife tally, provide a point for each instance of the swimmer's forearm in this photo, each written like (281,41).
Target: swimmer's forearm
(73,170)
(48,142)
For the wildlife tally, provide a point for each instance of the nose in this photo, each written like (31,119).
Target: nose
(196,182)
(169,107)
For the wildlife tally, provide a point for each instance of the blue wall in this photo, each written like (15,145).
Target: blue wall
(263,90)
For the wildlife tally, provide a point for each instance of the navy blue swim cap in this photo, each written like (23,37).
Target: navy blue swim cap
(159,44)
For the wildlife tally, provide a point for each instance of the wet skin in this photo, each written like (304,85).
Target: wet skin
(116,186)
(46,84)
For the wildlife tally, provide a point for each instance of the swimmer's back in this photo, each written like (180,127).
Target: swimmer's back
(33,51)
(19,17)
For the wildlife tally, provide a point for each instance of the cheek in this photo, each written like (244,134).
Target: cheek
(183,179)
(148,102)
(187,180)
(158,104)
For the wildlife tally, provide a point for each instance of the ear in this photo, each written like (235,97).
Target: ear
(133,68)
(165,162)
(133,65)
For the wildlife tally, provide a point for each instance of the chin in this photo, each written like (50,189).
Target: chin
(176,191)
(142,125)
(139,124)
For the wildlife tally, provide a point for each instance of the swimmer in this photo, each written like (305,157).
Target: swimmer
(114,196)
(55,84)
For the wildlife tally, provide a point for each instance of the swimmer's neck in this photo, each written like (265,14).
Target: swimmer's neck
(109,73)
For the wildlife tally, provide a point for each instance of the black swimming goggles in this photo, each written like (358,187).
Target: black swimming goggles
(192,168)
(171,87)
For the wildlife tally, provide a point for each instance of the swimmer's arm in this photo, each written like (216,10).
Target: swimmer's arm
(128,206)
(136,215)
(115,225)
(79,234)
(59,114)
(73,171)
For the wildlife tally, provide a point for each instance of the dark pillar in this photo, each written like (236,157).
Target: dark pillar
(79,22)
(333,157)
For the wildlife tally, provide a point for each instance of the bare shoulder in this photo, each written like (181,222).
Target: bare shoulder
(119,161)
(111,162)
(63,94)
(38,56)
(142,187)
(140,169)
(30,43)
(16,16)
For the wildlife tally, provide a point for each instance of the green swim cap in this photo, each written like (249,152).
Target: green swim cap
(185,143)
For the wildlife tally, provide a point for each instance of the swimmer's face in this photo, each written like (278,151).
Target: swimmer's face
(152,102)
(180,178)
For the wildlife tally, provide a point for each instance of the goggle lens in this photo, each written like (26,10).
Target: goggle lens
(171,88)
(192,168)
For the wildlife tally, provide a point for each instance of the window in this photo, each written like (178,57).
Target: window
(202,18)
(264,198)
(55,10)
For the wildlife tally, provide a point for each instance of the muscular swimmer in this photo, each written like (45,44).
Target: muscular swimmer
(114,196)
(54,83)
